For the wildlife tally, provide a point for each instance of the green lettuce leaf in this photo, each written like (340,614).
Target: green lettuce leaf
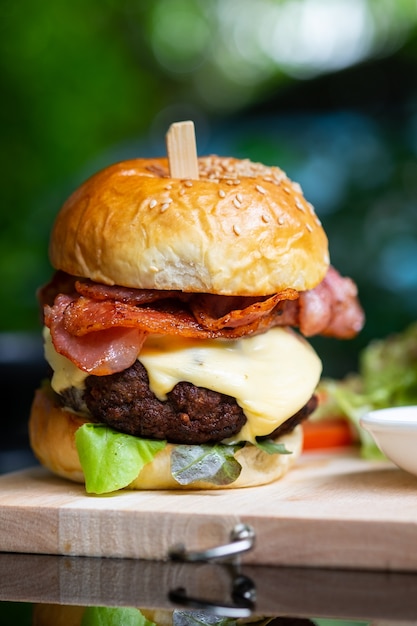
(347,398)
(200,618)
(114,616)
(387,376)
(272,447)
(214,463)
(111,460)
(126,616)
(389,369)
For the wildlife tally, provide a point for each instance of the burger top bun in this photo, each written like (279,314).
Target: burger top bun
(242,228)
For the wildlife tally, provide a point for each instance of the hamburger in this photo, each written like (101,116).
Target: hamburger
(175,327)
(73,615)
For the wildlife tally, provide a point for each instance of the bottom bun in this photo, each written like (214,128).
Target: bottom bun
(57,615)
(52,436)
(73,615)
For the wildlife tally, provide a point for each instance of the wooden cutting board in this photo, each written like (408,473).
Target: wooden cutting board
(331,510)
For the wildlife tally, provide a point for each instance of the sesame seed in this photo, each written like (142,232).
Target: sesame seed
(265,218)
(165,206)
(281,220)
(310,206)
(226,169)
(309,228)
(237,204)
(299,205)
(181,192)
(286,190)
(236,229)
(188,183)
(222,193)
(153,268)
(152,203)
(168,187)
(260,189)
(239,197)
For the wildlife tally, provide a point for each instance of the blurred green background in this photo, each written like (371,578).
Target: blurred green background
(326,89)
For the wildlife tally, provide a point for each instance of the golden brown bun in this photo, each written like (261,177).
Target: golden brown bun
(71,615)
(57,615)
(52,437)
(241,229)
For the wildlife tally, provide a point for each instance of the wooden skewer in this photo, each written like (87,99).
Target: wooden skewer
(182,150)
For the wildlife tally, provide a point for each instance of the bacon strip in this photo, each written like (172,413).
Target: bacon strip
(331,309)
(210,310)
(100,353)
(85,316)
(102,331)
(61,282)
(128,295)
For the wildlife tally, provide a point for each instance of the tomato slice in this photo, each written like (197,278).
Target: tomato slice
(327,433)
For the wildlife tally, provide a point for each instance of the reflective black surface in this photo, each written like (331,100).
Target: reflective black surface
(319,595)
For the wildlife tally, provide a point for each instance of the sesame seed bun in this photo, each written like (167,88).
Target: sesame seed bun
(52,436)
(242,228)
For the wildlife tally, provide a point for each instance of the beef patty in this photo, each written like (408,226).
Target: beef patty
(189,415)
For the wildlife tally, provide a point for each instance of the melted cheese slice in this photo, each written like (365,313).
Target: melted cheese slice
(271,375)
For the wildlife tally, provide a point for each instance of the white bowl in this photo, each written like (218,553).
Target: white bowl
(395,433)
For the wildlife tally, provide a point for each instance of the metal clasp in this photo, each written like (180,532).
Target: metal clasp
(243,592)
(242,539)
(243,596)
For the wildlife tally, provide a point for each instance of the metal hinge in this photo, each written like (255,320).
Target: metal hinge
(243,592)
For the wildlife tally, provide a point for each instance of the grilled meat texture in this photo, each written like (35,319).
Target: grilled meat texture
(190,415)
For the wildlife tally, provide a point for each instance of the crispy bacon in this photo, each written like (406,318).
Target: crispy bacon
(84,316)
(102,352)
(212,311)
(61,282)
(128,295)
(217,312)
(331,309)
(102,328)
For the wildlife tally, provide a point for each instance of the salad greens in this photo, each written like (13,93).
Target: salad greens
(200,617)
(126,616)
(387,376)
(114,616)
(213,463)
(272,447)
(112,460)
